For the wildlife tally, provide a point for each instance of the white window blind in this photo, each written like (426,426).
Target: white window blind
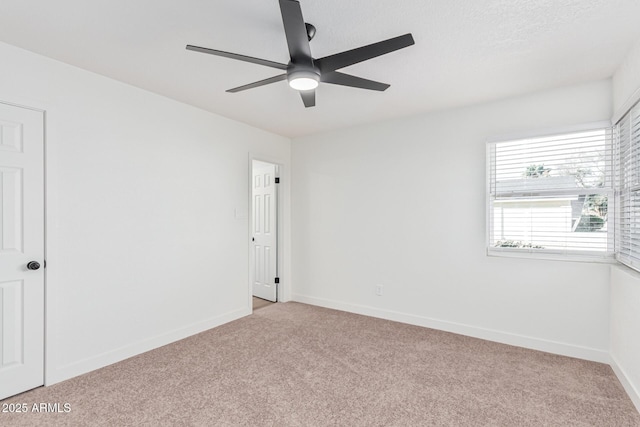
(628,189)
(551,196)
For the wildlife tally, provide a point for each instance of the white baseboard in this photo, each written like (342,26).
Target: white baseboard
(108,358)
(548,346)
(629,387)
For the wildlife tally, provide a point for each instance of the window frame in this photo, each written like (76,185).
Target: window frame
(608,256)
(625,194)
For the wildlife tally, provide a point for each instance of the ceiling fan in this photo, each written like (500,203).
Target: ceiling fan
(304,72)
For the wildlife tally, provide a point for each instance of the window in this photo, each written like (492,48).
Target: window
(552,196)
(628,188)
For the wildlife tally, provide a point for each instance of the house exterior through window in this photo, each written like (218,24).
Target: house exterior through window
(552,196)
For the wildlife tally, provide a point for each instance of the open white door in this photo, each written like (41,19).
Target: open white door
(21,250)
(264,230)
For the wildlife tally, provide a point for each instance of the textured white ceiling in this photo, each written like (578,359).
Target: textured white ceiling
(466,51)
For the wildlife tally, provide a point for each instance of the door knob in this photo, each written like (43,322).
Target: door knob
(33,265)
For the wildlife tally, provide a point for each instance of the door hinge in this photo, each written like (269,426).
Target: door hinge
(277,180)
(277,280)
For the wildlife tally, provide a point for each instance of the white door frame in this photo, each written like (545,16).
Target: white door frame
(283,285)
(46,353)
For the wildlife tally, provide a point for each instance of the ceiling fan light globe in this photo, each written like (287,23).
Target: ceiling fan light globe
(303,83)
(303,79)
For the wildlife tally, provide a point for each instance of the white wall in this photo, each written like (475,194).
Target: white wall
(402,204)
(143,244)
(625,329)
(625,283)
(626,82)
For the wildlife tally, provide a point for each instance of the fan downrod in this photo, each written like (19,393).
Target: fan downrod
(311,30)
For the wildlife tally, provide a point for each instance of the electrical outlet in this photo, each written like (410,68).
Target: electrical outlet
(379,290)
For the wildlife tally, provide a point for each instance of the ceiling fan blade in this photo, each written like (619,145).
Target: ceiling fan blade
(296,32)
(308,97)
(342,79)
(350,57)
(238,57)
(259,83)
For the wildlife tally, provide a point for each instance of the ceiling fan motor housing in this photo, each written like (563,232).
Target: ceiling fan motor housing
(302,76)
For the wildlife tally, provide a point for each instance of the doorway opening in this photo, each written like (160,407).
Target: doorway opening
(265,179)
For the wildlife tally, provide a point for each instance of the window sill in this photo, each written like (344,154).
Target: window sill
(598,257)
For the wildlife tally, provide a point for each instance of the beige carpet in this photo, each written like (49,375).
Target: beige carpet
(259,303)
(297,365)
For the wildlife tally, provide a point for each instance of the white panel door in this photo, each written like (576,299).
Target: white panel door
(264,224)
(21,250)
